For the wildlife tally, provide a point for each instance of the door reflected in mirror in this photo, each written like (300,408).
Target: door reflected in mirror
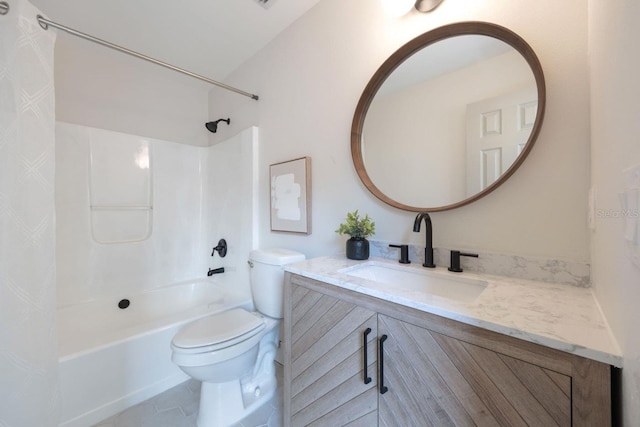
(448,120)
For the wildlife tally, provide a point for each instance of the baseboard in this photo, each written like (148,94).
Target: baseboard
(112,408)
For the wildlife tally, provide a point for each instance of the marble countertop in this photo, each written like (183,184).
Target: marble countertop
(564,317)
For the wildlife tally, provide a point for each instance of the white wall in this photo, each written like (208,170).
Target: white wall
(615,126)
(310,79)
(99,87)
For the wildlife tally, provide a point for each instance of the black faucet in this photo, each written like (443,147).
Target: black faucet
(428,248)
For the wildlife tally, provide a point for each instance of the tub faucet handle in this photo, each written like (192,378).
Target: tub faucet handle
(221,248)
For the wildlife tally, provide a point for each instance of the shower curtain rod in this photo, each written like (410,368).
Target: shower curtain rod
(45,23)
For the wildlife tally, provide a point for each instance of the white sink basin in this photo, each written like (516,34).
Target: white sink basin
(445,285)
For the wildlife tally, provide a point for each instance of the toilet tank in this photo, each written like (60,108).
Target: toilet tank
(267,278)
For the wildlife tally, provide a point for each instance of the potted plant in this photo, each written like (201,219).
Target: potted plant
(359,229)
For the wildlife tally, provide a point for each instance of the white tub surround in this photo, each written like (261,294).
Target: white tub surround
(113,358)
(566,318)
(156,222)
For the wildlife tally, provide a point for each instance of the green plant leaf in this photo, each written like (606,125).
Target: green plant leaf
(357,227)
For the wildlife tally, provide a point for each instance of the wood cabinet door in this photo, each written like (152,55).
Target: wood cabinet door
(326,356)
(436,380)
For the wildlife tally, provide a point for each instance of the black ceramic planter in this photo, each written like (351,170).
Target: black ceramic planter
(357,249)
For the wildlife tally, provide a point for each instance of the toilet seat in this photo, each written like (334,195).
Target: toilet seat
(230,336)
(218,331)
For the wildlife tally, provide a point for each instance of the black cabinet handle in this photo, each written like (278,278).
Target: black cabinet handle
(367,378)
(383,388)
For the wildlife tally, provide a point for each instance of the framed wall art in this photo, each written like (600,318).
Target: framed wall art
(291,196)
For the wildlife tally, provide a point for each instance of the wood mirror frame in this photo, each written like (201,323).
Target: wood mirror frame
(410,48)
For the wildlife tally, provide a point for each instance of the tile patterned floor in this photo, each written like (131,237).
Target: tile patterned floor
(178,407)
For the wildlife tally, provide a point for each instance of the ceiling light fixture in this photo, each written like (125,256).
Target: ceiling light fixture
(427,5)
(397,8)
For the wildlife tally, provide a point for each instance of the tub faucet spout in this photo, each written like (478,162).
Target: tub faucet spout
(215,271)
(428,248)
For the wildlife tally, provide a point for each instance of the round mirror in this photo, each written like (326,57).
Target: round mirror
(448,117)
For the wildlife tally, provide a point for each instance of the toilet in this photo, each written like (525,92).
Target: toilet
(232,353)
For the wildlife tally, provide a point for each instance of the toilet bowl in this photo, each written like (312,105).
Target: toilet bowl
(232,353)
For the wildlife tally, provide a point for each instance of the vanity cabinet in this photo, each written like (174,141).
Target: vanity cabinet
(436,371)
(324,356)
(434,379)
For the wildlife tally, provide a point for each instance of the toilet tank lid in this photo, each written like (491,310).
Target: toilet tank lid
(276,256)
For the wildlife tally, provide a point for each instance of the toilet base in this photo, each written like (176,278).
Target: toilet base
(224,404)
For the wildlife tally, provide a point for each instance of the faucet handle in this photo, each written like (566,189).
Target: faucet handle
(455,260)
(404,253)
(221,248)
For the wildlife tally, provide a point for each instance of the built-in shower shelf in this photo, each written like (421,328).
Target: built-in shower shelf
(120,187)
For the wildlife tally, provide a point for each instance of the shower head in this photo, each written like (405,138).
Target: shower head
(213,126)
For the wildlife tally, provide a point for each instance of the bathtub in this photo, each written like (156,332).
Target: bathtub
(113,358)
